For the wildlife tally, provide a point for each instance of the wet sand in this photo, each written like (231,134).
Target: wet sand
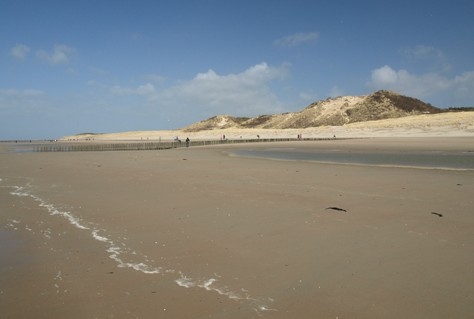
(196,233)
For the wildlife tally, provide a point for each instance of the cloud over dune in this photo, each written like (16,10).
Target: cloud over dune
(422,85)
(245,92)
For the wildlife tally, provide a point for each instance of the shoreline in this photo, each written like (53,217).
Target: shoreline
(194,232)
(443,143)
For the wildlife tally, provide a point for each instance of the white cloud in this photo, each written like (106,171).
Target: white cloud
(404,82)
(245,93)
(209,93)
(459,88)
(60,55)
(384,76)
(297,39)
(20,51)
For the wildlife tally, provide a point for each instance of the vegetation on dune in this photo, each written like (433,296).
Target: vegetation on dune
(330,112)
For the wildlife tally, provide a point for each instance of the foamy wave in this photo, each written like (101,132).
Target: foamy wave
(51,209)
(142,267)
(13,223)
(118,254)
(95,234)
(209,285)
(114,251)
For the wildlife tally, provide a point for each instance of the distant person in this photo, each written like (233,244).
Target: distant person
(187,141)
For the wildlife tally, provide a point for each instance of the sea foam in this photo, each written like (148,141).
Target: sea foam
(118,253)
(115,252)
(208,284)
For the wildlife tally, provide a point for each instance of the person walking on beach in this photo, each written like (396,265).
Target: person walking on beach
(187,141)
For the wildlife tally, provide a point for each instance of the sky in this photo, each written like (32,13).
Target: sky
(69,67)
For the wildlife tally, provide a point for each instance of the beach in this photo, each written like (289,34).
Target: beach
(202,232)
(450,124)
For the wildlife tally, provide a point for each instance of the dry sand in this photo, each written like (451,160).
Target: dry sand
(196,233)
(426,125)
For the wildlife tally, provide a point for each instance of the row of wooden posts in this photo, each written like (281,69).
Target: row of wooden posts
(142,146)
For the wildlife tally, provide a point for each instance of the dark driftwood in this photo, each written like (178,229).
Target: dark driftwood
(337,208)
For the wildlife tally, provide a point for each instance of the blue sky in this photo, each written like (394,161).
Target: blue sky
(68,67)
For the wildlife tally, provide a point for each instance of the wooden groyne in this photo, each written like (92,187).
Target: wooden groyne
(146,146)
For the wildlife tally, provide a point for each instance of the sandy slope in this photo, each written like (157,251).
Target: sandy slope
(444,124)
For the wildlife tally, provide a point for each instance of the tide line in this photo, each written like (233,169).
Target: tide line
(117,253)
(208,284)
(114,251)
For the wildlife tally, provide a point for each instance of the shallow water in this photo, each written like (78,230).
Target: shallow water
(10,242)
(435,159)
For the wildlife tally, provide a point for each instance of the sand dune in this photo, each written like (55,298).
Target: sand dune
(443,124)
